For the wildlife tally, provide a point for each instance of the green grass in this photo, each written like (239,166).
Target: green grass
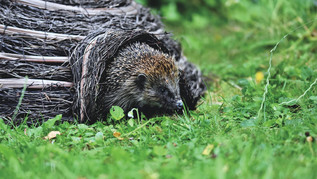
(230,50)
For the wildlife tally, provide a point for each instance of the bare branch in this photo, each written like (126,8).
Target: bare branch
(128,10)
(31,58)
(33,83)
(38,34)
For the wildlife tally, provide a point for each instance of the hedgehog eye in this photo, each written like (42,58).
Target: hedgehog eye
(163,89)
(140,81)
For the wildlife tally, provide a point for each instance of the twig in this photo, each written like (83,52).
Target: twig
(31,58)
(268,76)
(33,83)
(128,10)
(141,126)
(9,30)
(296,100)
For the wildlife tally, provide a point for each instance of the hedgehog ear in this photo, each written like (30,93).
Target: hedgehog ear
(140,81)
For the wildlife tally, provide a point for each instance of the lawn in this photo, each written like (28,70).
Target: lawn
(256,120)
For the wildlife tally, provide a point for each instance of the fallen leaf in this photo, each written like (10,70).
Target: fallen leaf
(52,135)
(117,135)
(309,139)
(208,149)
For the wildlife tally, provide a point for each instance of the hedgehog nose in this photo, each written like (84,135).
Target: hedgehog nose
(179,104)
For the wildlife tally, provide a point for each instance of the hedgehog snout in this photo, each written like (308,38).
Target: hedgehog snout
(179,104)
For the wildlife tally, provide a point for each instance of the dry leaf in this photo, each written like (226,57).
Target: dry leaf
(117,135)
(52,135)
(208,149)
(309,139)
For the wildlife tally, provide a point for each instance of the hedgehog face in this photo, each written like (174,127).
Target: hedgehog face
(159,95)
(144,78)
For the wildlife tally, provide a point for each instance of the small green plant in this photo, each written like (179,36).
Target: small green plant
(117,113)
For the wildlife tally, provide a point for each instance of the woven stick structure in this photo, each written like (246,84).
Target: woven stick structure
(63,46)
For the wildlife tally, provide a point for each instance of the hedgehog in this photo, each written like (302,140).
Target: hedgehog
(138,71)
(141,77)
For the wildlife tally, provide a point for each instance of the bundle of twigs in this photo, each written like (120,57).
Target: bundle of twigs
(39,37)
